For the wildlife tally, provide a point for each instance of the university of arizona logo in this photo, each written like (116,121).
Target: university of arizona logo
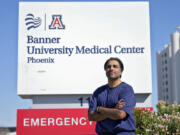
(32,22)
(56,22)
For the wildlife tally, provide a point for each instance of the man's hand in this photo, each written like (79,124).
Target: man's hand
(120,104)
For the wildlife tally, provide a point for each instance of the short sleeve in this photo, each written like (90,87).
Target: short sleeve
(93,103)
(129,99)
(127,124)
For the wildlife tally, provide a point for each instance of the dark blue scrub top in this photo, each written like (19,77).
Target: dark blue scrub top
(105,97)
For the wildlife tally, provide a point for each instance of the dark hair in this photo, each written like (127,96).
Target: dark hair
(117,59)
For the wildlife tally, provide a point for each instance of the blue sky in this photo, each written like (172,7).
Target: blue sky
(164,18)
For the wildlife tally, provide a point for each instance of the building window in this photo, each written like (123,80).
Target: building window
(165,54)
(166,76)
(166,82)
(167,97)
(165,61)
(166,89)
(166,68)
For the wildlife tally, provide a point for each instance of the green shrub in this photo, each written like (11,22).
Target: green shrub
(165,122)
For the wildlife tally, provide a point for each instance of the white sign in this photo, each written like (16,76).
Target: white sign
(62,46)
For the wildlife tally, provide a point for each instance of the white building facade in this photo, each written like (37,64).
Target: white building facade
(168,74)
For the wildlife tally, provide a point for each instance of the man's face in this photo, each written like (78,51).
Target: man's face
(113,70)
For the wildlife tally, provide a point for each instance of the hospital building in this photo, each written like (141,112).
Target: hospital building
(168,70)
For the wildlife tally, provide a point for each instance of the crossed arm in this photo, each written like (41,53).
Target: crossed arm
(111,113)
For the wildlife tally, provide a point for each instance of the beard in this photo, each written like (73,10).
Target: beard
(112,75)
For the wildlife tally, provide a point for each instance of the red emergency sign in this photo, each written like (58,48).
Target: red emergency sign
(56,122)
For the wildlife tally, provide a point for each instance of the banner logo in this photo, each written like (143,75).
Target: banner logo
(32,22)
(56,22)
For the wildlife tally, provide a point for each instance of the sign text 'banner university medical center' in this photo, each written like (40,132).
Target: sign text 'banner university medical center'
(62,46)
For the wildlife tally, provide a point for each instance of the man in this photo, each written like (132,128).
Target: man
(111,105)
